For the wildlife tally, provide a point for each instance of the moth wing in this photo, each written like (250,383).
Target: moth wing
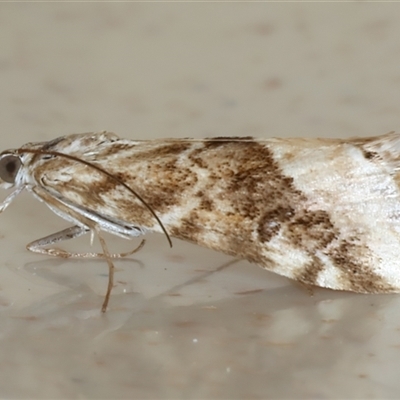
(349,221)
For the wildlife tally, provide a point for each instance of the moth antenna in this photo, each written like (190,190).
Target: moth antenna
(103,171)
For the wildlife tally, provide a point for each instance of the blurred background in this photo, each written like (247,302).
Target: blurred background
(188,322)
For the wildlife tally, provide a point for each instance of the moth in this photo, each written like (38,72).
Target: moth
(323,212)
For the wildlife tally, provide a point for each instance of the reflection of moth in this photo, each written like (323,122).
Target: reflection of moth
(324,212)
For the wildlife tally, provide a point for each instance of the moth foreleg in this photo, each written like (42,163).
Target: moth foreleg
(38,246)
(10,198)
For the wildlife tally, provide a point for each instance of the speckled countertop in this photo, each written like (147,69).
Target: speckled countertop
(189,323)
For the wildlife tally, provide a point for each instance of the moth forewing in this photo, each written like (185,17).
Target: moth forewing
(314,210)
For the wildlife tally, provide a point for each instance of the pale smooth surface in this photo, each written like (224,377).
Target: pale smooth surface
(189,323)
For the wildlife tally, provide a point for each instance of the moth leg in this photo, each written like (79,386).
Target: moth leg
(38,246)
(111,270)
(9,199)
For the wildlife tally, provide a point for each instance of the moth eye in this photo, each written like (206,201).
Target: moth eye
(9,167)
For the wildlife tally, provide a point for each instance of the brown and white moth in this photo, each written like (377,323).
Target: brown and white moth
(324,212)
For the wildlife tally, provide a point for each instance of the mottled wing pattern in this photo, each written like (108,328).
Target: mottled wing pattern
(323,212)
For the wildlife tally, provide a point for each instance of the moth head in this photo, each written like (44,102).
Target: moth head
(10,164)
